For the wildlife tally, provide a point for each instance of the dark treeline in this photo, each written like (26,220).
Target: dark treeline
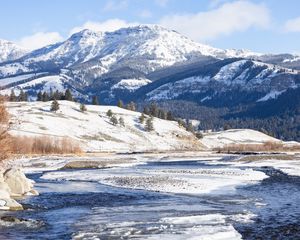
(22,97)
(153,110)
(57,95)
(285,125)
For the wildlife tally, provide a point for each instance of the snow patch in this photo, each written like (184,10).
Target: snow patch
(271,95)
(131,84)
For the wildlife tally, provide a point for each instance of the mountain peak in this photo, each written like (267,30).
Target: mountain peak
(86,33)
(10,51)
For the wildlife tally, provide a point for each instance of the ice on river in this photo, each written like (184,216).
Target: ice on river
(178,180)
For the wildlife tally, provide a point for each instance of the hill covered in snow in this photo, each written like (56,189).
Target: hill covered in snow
(236,136)
(94,130)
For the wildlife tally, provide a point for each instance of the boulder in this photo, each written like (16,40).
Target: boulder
(13,183)
(17,182)
(6,202)
(10,204)
(4,190)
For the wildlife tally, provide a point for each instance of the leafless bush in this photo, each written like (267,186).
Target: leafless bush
(5,141)
(44,145)
(265,147)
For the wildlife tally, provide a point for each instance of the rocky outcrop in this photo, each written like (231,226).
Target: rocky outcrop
(14,183)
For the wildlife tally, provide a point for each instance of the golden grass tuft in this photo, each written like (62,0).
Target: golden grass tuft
(44,145)
(265,147)
(5,140)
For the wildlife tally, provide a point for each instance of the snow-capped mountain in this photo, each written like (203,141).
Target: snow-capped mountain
(10,51)
(150,46)
(160,63)
(284,60)
(241,53)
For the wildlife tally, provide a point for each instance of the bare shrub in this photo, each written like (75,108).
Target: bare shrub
(265,147)
(5,141)
(44,145)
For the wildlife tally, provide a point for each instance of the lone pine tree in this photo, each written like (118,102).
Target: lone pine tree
(122,122)
(114,120)
(149,125)
(54,106)
(95,100)
(82,107)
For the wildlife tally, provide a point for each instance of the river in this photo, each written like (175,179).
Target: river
(161,199)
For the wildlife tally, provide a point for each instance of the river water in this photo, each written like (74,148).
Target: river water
(77,207)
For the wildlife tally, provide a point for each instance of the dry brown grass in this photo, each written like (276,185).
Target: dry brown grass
(44,145)
(265,147)
(31,145)
(5,141)
(287,157)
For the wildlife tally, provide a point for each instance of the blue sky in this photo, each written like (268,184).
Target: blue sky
(258,25)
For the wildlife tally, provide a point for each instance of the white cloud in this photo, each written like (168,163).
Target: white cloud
(106,26)
(39,39)
(292,25)
(224,20)
(115,5)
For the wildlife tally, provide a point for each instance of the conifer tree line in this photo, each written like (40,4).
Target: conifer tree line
(57,95)
(22,97)
(155,111)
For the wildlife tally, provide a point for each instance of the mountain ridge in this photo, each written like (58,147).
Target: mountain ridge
(149,63)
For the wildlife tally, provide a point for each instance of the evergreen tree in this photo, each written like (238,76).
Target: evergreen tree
(114,120)
(82,107)
(45,97)
(131,106)
(121,121)
(95,100)
(109,113)
(23,97)
(226,127)
(120,104)
(149,125)
(54,106)
(170,116)
(12,97)
(153,110)
(189,126)
(39,96)
(142,118)
(199,135)
(162,114)
(146,111)
(181,123)
(68,95)
(51,94)
(56,96)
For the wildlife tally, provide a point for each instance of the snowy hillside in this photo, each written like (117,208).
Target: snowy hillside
(235,136)
(10,51)
(94,130)
(260,79)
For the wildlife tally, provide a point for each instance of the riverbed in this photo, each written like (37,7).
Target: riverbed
(161,197)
